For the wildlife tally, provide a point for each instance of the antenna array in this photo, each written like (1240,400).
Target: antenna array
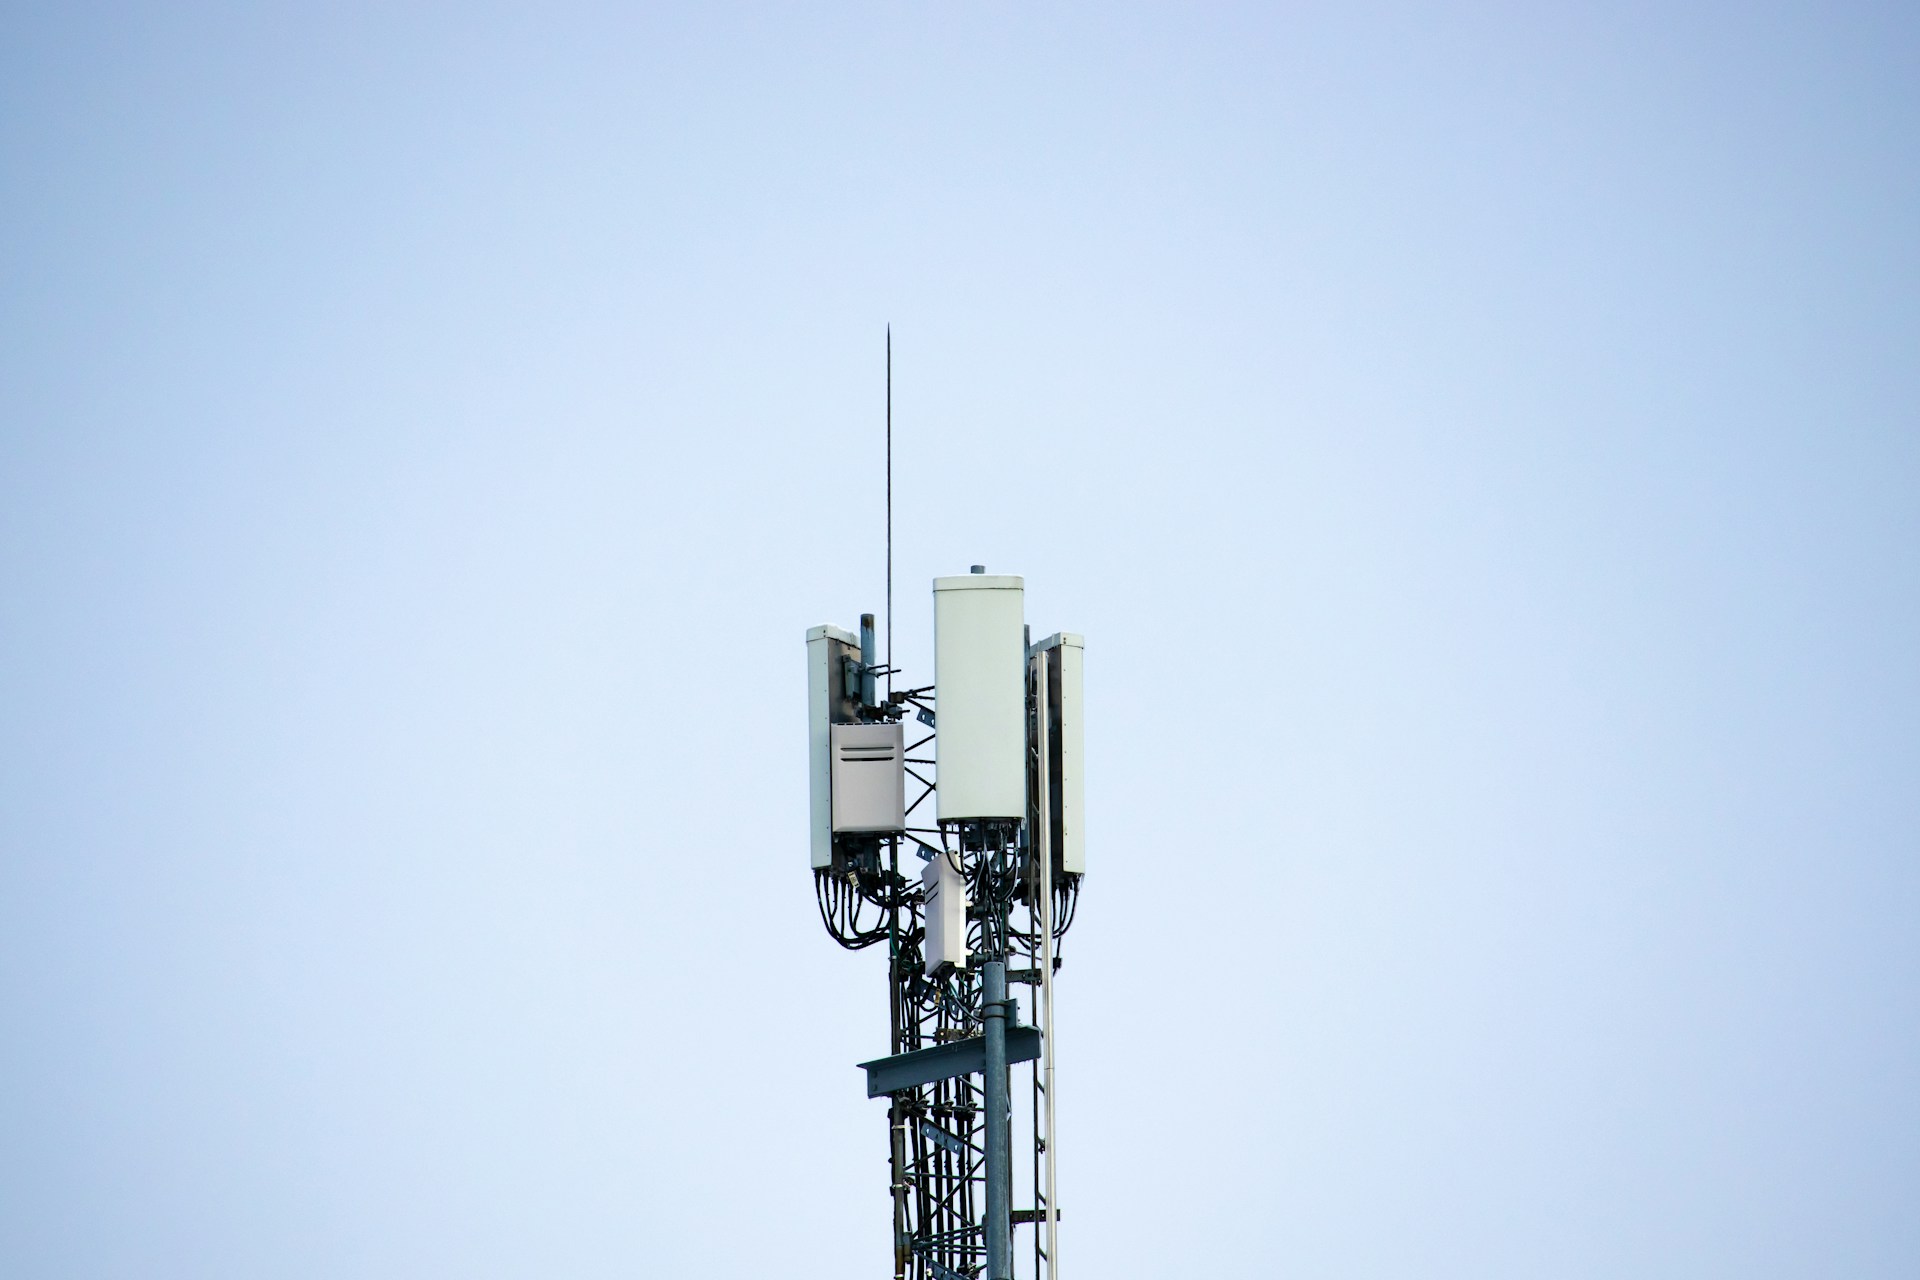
(996,869)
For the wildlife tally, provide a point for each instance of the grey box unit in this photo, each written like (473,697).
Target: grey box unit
(869,779)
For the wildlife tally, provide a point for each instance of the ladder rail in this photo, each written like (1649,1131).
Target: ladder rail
(1043,843)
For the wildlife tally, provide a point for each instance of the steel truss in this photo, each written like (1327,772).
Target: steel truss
(937,1131)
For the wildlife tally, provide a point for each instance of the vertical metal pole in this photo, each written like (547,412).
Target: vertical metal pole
(896,1113)
(889,508)
(869,659)
(993,1008)
(901,1248)
(1043,843)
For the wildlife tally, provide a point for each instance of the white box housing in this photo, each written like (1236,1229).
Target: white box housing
(980,696)
(946,914)
(1066,733)
(828,703)
(869,778)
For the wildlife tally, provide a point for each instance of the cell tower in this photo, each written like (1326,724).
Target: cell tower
(988,890)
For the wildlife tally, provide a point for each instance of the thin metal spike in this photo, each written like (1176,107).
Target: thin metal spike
(889,510)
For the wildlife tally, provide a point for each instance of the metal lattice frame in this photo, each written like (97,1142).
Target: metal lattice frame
(937,1131)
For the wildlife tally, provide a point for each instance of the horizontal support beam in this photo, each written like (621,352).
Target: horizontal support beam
(944,1061)
(1029,976)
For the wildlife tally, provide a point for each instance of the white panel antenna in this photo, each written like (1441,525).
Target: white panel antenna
(979,681)
(828,649)
(1065,655)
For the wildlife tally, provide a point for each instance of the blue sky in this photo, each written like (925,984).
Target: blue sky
(1478,443)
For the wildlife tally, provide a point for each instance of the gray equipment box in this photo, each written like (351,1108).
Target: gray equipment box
(869,779)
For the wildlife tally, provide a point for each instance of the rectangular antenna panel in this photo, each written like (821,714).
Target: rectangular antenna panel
(869,779)
(946,912)
(828,703)
(1067,780)
(980,696)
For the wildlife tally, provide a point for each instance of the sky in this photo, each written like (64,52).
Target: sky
(1479,443)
